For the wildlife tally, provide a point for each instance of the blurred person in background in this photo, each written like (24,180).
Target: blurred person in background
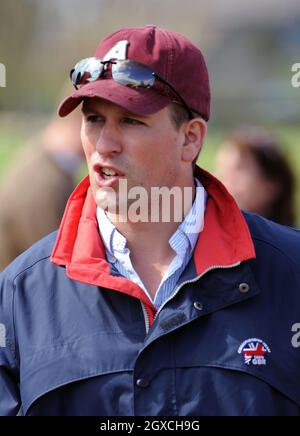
(36,189)
(253,167)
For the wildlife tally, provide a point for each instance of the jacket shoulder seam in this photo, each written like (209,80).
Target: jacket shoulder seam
(28,267)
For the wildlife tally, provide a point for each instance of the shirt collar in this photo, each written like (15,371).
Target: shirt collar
(112,238)
(194,221)
(184,237)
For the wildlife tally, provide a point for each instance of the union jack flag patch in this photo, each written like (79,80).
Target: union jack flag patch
(254,351)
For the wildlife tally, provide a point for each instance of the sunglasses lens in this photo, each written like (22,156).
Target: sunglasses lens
(130,73)
(87,70)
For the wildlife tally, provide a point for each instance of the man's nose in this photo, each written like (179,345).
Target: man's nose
(109,140)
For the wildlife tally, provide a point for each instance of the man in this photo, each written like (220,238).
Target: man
(115,315)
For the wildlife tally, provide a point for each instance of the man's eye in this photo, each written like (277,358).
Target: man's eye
(93,119)
(132,121)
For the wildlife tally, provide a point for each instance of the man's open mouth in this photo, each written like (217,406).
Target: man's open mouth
(106,173)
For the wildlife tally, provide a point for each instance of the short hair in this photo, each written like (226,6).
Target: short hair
(179,115)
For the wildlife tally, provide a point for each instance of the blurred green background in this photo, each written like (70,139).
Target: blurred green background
(250,49)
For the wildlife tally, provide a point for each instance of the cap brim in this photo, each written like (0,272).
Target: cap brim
(138,101)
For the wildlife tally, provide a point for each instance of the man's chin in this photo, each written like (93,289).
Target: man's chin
(110,201)
(106,198)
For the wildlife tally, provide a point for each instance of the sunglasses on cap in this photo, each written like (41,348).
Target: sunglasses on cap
(125,72)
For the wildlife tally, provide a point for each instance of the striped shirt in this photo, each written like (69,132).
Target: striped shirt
(183,242)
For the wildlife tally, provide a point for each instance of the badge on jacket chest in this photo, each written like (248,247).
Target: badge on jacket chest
(255,352)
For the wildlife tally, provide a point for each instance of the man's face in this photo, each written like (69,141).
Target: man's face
(146,151)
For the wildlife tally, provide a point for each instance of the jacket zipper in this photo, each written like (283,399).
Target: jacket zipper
(146,317)
(194,280)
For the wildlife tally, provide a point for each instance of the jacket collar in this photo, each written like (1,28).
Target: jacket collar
(224,241)
(226,238)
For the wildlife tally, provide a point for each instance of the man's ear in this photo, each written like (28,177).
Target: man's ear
(194,132)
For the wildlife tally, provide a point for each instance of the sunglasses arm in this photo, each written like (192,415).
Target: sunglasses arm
(165,82)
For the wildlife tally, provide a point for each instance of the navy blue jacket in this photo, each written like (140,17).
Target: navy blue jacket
(78,342)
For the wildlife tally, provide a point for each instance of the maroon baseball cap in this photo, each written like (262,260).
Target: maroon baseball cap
(170,55)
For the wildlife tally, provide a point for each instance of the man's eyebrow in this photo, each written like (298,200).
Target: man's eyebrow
(127,113)
(87,108)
